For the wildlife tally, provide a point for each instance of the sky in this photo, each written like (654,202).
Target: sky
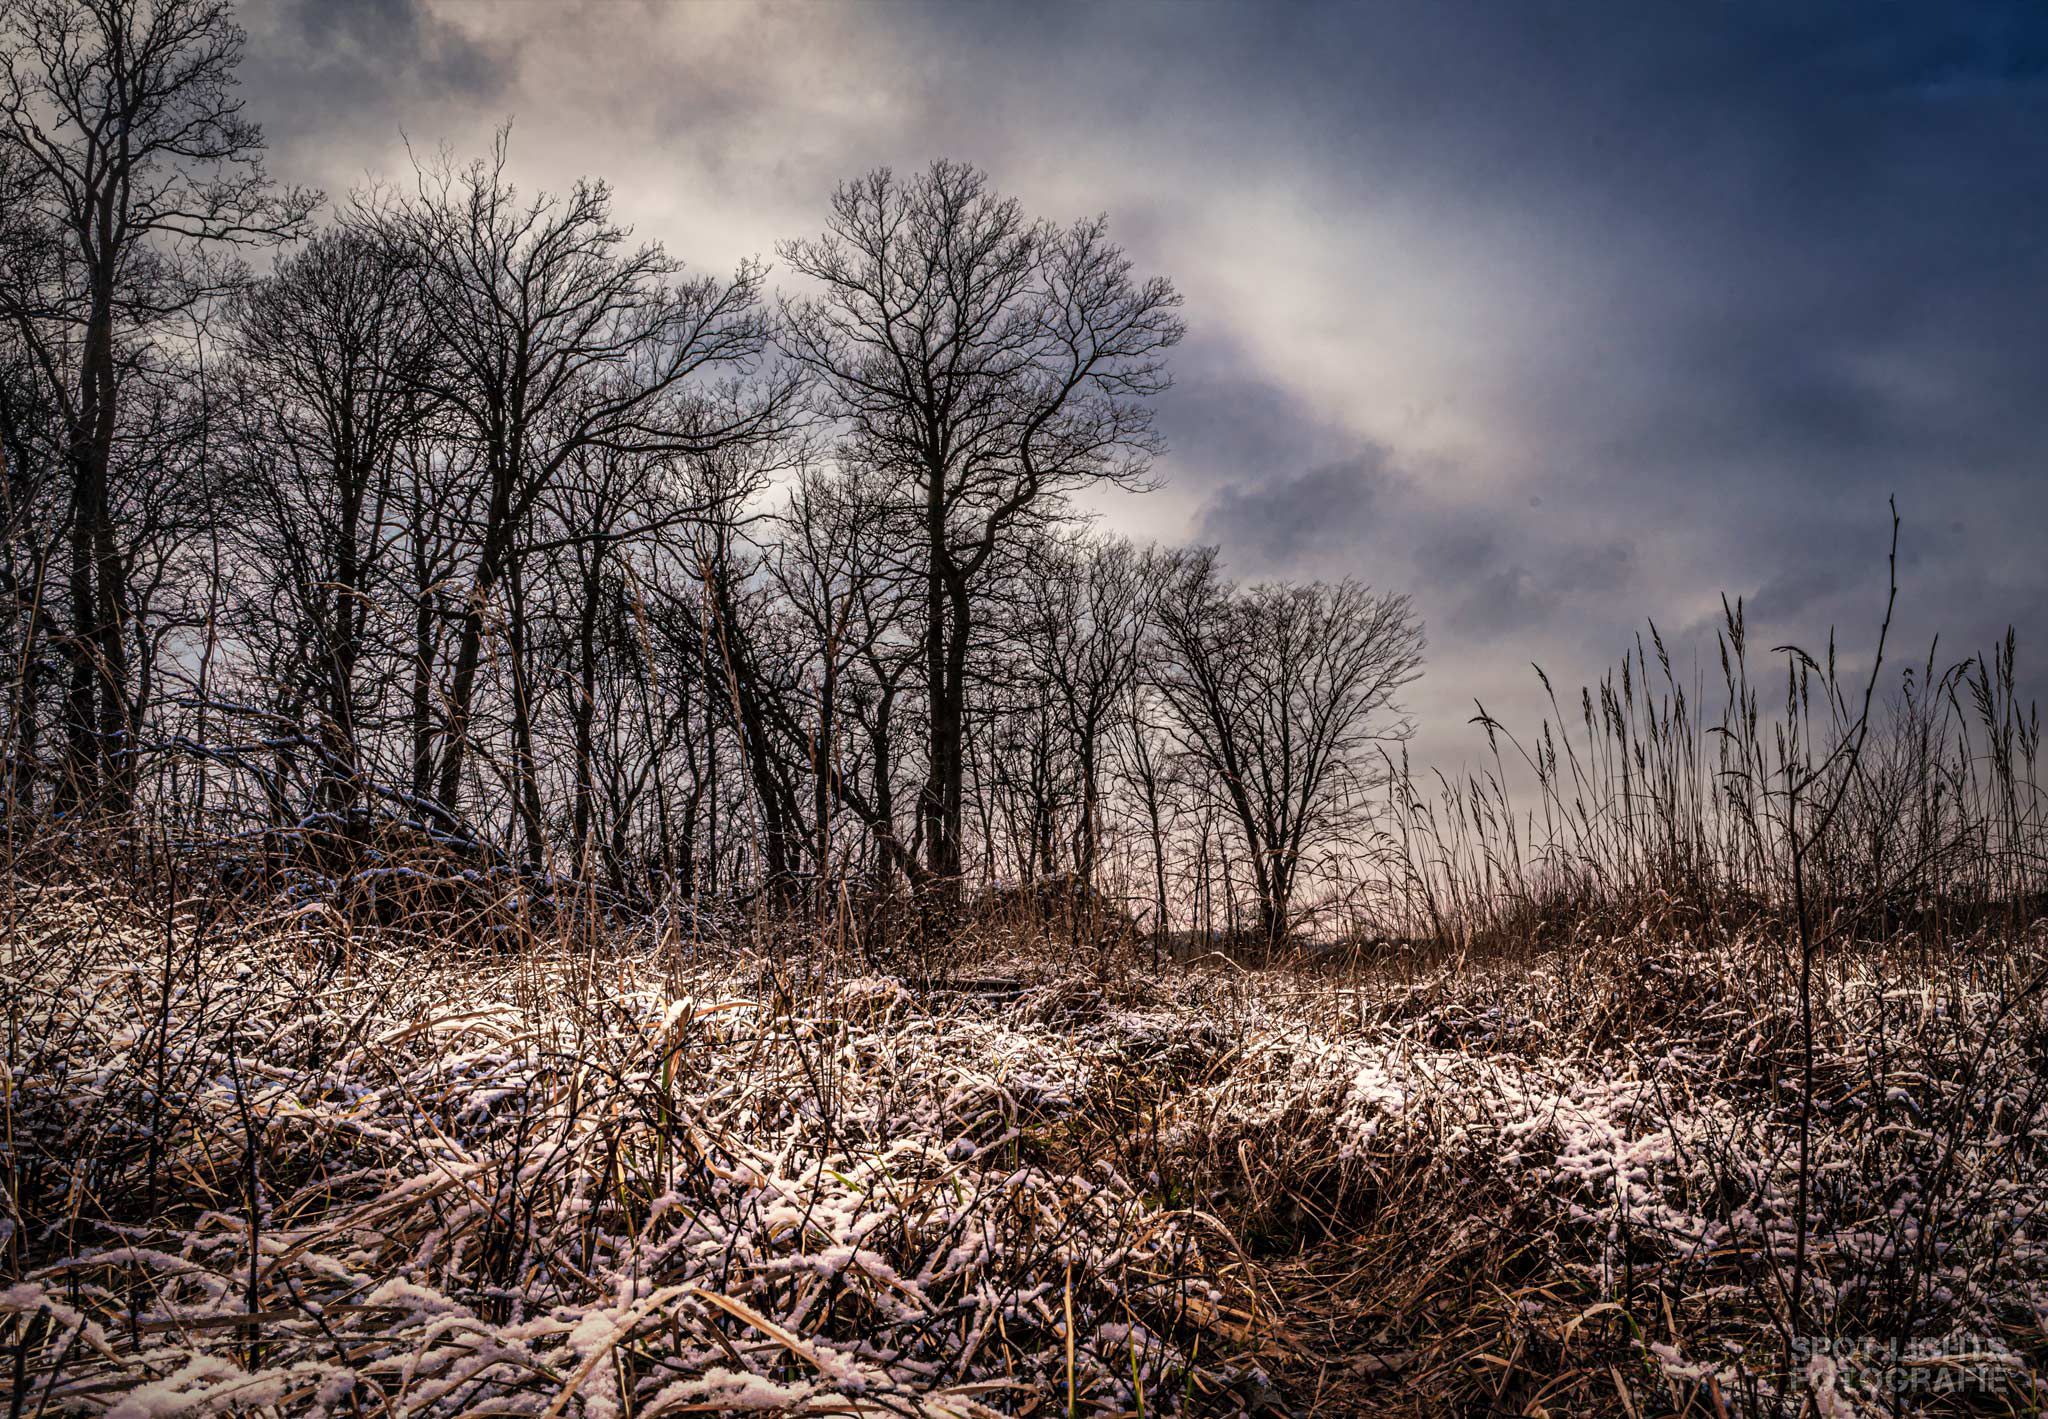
(1564,318)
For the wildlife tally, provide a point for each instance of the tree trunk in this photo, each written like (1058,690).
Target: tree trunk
(884,782)
(493,562)
(424,651)
(79,786)
(340,774)
(821,775)
(105,627)
(468,654)
(525,771)
(586,711)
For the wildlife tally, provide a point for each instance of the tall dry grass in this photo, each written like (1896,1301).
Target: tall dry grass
(1895,799)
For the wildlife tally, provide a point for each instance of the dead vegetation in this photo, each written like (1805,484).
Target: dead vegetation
(1715,1085)
(282,1163)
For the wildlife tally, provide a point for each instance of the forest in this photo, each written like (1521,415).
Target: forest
(588,836)
(475,522)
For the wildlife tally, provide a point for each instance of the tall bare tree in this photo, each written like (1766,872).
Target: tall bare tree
(835,564)
(126,113)
(1088,623)
(993,364)
(335,365)
(564,338)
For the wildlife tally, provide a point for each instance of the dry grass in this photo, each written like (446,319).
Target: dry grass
(279,1163)
(266,1164)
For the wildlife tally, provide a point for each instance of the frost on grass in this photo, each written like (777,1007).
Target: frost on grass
(1626,1124)
(258,1167)
(258,1171)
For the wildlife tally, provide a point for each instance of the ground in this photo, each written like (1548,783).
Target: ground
(278,1162)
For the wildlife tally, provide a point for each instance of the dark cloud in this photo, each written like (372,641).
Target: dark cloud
(1459,555)
(1561,314)
(394,45)
(1500,601)
(357,70)
(1597,568)
(1230,425)
(1795,594)
(1274,523)
(1490,591)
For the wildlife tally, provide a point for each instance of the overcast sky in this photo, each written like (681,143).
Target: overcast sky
(1560,316)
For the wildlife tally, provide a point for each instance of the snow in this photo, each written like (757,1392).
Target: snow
(519,1187)
(552,1188)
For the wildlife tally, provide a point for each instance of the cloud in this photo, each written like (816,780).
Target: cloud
(1492,592)
(1797,593)
(323,71)
(1599,568)
(1272,523)
(1561,315)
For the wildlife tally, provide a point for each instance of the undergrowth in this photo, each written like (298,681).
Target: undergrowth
(281,1163)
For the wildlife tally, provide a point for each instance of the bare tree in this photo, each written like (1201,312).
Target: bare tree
(1084,638)
(834,564)
(562,338)
(611,501)
(992,364)
(335,366)
(1146,767)
(126,113)
(492,534)
(1280,691)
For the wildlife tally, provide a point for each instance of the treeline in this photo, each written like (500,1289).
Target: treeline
(469,516)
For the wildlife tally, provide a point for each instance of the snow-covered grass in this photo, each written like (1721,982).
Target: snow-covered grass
(260,1165)
(1577,1177)
(275,1164)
